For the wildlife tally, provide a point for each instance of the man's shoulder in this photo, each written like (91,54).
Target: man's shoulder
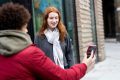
(32,49)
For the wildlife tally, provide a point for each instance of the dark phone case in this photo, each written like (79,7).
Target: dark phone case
(89,50)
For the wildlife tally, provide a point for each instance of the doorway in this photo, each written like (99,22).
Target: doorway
(109,19)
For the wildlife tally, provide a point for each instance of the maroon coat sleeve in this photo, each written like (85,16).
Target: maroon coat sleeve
(42,66)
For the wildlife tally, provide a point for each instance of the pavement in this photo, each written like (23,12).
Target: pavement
(109,69)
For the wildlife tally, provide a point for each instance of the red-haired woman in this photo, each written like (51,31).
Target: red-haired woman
(54,40)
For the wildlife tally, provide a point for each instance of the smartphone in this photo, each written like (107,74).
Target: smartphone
(90,49)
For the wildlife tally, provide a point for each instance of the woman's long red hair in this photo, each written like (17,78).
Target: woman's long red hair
(60,25)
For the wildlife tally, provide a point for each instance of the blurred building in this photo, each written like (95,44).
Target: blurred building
(82,18)
(111,11)
(117,19)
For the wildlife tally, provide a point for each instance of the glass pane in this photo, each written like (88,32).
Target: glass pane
(93,22)
(70,23)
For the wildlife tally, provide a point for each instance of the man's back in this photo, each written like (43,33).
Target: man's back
(16,66)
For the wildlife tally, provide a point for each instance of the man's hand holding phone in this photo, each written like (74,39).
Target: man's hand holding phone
(89,58)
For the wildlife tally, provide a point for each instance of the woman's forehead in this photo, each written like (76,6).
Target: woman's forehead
(53,14)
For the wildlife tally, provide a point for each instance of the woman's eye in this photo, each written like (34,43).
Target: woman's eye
(56,17)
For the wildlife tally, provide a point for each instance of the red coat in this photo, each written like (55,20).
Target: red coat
(31,63)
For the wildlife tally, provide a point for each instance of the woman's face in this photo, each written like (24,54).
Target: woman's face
(52,20)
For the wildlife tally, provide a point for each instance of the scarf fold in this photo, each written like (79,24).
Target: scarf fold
(53,38)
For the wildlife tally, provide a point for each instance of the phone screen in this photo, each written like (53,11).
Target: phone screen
(90,49)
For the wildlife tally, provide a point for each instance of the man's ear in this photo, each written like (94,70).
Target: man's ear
(24,28)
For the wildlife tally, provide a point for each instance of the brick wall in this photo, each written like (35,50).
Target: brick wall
(85,29)
(100,29)
(84,24)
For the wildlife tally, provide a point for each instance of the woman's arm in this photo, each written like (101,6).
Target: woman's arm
(69,51)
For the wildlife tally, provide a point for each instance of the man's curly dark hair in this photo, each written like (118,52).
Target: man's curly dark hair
(13,16)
